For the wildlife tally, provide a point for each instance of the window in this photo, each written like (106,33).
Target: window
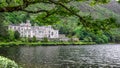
(40,31)
(52,33)
(15,28)
(49,36)
(49,31)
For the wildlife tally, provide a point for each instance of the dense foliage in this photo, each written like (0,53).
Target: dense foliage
(5,34)
(64,15)
(90,33)
(7,63)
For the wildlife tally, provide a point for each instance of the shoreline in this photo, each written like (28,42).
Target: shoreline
(44,43)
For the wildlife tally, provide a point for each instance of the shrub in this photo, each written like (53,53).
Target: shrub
(34,39)
(23,39)
(7,63)
(45,39)
(88,39)
(16,35)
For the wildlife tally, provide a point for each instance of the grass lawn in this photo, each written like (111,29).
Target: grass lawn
(18,43)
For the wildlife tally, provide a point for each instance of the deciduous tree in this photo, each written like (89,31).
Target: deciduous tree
(59,7)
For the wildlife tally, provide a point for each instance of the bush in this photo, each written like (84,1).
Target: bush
(16,35)
(7,63)
(88,39)
(45,39)
(34,39)
(22,39)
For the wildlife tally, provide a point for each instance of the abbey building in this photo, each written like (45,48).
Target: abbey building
(27,30)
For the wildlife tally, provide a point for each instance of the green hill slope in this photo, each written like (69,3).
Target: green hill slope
(99,11)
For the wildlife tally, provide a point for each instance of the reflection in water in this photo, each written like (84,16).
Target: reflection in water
(94,56)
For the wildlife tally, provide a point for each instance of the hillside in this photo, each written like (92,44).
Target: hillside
(99,11)
(113,6)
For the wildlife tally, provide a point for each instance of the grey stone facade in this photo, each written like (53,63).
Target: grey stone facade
(26,30)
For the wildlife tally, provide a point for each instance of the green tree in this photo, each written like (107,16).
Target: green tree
(11,36)
(34,39)
(59,8)
(16,35)
(3,28)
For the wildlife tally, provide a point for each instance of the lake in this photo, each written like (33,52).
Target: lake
(74,56)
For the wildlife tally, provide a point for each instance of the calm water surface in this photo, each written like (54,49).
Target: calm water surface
(88,56)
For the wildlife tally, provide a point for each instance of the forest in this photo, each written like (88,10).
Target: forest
(90,21)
